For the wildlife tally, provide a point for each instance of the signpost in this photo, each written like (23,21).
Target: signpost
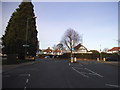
(26,49)
(26,45)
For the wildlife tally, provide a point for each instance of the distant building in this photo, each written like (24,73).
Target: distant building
(80,49)
(57,52)
(48,51)
(114,50)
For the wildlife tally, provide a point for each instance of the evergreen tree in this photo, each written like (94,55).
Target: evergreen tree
(21,30)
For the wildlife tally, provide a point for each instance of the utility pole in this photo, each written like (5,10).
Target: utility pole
(71,50)
(100,53)
(26,39)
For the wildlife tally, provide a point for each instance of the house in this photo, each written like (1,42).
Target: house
(80,49)
(48,51)
(93,51)
(57,52)
(114,50)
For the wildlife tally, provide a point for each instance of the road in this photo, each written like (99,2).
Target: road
(51,73)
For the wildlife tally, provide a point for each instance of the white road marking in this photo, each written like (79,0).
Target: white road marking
(69,64)
(94,72)
(80,72)
(29,75)
(78,68)
(27,80)
(112,85)
(80,64)
(24,88)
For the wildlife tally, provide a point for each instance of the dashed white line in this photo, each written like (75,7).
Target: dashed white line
(29,75)
(94,72)
(27,80)
(80,72)
(80,64)
(24,88)
(112,85)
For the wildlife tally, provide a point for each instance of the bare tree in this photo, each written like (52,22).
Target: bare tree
(59,46)
(70,39)
(105,50)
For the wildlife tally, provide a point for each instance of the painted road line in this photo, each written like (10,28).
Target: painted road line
(80,72)
(69,64)
(80,64)
(29,75)
(112,85)
(24,88)
(79,68)
(27,80)
(94,72)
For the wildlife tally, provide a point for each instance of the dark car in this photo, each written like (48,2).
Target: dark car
(112,59)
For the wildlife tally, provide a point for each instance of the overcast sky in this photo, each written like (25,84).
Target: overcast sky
(96,21)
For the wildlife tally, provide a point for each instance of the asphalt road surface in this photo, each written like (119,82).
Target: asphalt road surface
(51,73)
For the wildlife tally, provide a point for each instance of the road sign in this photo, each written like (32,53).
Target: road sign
(26,45)
(72,48)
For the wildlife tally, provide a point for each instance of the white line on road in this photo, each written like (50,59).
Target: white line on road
(80,64)
(112,85)
(24,88)
(79,68)
(29,75)
(69,64)
(94,72)
(27,80)
(80,72)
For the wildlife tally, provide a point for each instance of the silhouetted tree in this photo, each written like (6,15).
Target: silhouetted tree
(21,30)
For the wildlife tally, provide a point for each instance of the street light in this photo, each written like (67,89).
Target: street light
(72,51)
(26,44)
(100,53)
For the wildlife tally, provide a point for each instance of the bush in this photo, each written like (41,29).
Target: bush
(11,58)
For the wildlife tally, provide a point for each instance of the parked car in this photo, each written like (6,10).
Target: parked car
(47,57)
(112,59)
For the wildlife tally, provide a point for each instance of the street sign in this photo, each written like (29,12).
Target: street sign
(26,45)
(72,48)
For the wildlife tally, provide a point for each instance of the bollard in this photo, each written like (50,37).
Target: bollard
(104,59)
(98,59)
(75,59)
(71,59)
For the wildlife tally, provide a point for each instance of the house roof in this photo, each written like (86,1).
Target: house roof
(48,50)
(93,51)
(57,51)
(78,46)
(114,49)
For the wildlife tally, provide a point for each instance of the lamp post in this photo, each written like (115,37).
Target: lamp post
(71,50)
(100,53)
(26,38)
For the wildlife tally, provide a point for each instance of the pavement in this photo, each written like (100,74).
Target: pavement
(10,67)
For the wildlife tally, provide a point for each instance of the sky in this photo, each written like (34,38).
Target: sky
(97,22)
